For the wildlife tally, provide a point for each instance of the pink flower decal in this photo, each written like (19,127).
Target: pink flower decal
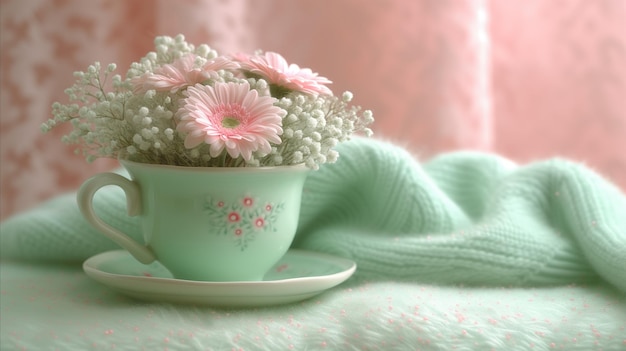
(242,219)
(275,69)
(230,116)
(259,222)
(181,73)
(234,217)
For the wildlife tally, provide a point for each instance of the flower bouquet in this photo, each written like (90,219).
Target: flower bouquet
(185,105)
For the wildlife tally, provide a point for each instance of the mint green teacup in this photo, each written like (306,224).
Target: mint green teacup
(210,224)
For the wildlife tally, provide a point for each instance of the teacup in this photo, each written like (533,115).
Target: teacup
(208,224)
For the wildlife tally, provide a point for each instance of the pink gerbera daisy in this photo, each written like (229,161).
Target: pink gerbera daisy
(181,73)
(275,69)
(230,116)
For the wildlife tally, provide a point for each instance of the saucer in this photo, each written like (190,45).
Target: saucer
(297,276)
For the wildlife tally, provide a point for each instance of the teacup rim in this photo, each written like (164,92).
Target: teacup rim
(125,161)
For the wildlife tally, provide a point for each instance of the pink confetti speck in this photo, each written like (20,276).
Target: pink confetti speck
(281,268)
(147,274)
(108,332)
(323,344)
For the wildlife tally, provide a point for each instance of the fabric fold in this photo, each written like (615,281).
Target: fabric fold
(465,217)
(459,218)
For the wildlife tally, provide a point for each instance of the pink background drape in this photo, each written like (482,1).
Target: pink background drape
(526,79)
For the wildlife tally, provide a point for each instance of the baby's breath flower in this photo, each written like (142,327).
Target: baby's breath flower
(297,157)
(347,96)
(332,156)
(261,84)
(147,134)
(169,134)
(310,162)
(131,149)
(311,123)
(137,139)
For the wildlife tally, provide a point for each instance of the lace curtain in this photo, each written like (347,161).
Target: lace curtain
(528,80)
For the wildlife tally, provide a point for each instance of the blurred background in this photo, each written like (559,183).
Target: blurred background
(526,79)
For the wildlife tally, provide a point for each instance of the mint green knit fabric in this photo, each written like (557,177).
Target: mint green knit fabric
(459,218)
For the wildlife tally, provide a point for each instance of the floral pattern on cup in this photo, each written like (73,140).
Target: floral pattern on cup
(243,220)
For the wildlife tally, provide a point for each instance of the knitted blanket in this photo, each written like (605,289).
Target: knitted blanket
(462,218)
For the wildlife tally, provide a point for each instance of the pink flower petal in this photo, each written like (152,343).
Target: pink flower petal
(275,69)
(181,73)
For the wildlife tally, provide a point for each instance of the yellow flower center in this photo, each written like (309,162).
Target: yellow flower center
(230,122)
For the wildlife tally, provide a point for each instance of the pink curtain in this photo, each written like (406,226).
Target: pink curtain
(526,79)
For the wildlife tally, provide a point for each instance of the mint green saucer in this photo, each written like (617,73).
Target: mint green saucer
(297,276)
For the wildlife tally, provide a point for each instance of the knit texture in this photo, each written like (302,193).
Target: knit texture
(462,218)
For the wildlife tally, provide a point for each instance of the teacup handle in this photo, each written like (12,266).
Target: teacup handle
(133,202)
